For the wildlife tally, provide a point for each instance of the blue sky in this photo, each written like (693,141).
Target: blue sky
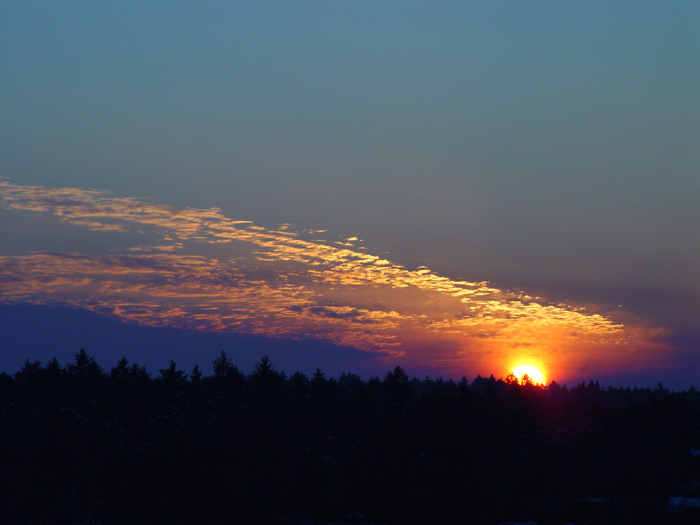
(543,146)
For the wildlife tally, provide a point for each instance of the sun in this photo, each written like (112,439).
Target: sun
(524,373)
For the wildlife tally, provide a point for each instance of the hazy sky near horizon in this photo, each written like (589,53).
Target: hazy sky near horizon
(547,147)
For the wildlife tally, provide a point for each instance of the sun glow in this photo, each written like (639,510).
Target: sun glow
(198,269)
(525,373)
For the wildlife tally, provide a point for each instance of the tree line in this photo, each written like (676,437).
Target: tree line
(78,443)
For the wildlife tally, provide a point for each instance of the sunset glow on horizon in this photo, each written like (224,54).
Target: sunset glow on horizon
(531,374)
(198,269)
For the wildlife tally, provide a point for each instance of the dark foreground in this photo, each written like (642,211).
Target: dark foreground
(80,445)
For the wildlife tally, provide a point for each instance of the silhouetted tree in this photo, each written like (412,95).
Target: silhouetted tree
(77,444)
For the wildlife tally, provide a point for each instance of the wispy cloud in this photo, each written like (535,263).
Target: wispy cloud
(212,273)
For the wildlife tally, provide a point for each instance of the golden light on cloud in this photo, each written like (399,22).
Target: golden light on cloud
(197,269)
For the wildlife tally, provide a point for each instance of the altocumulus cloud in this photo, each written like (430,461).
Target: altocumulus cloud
(211,273)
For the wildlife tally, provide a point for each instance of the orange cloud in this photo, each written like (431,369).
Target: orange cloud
(211,273)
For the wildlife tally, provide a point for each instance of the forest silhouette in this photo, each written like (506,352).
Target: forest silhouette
(79,444)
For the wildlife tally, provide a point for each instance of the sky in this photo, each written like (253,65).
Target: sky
(451,187)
